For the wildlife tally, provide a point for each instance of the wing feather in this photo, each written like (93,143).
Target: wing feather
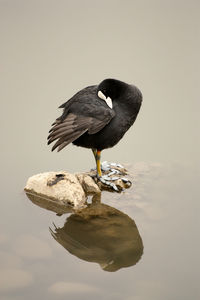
(74,122)
(68,130)
(66,140)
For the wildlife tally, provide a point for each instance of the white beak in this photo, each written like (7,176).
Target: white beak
(108,100)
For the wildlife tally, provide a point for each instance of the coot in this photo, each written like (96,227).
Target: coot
(97,117)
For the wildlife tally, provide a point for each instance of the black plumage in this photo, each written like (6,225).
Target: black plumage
(97,117)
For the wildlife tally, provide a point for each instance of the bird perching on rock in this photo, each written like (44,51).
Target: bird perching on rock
(97,117)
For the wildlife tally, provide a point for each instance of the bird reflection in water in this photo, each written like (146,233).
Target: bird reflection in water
(102,234)
(98,233)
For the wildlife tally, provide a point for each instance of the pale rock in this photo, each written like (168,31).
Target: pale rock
(60,187)
(63,192)
(88,184)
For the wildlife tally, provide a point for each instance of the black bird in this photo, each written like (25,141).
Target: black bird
(97,117)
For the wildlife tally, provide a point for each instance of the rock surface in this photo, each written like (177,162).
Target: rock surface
(88,184)
(61,187)
(62,191)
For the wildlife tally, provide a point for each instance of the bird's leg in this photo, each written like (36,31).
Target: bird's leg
(105,166)
(94,152)
(104,179)
(98,163)
(97,156)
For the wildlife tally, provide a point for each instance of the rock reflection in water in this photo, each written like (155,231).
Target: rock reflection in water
(49,204)
(102,234)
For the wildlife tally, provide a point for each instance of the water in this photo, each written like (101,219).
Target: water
(103,257)
(146,241)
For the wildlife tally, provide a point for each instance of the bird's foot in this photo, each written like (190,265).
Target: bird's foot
(108,182)
(114,183)
(112,167)
(112,177)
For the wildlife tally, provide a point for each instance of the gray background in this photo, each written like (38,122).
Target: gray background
(51,49)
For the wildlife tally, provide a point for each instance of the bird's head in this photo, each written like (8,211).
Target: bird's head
(109,90)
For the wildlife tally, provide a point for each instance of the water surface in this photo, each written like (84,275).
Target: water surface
(138,244)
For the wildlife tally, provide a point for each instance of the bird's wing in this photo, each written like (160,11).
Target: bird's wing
(91,118)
